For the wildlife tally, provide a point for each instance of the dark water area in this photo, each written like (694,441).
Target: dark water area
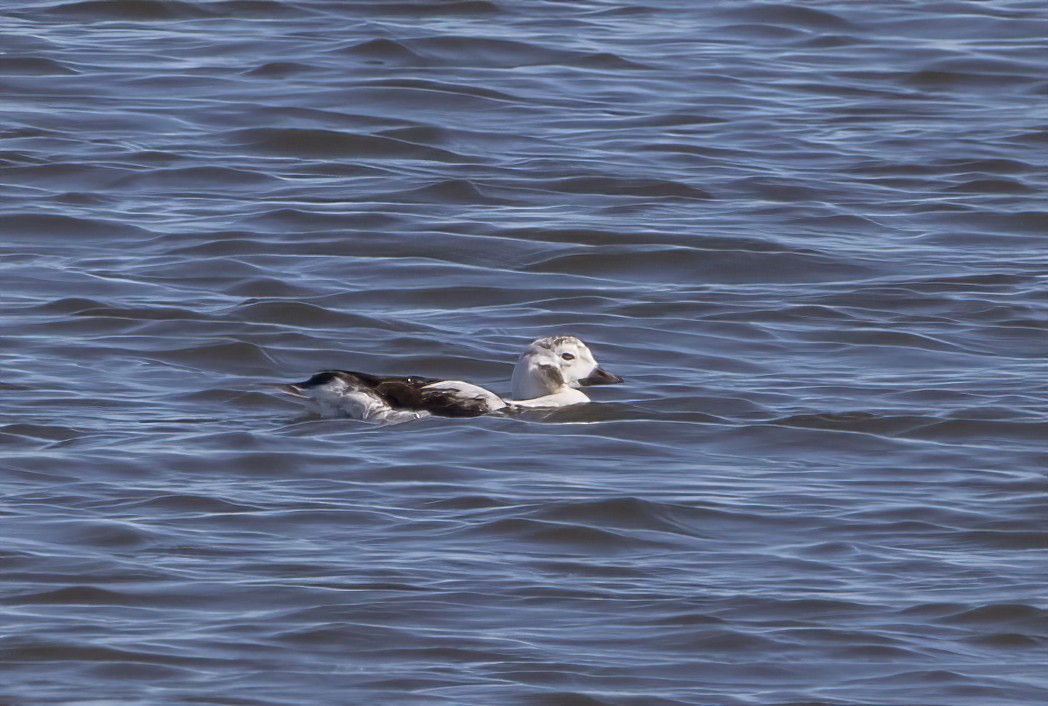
(813,237)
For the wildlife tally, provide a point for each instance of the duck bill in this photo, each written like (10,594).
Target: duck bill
(293,390)
(600,377)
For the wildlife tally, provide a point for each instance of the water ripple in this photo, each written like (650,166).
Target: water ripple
(810,238)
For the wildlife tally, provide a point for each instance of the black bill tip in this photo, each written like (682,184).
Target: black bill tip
(600,377)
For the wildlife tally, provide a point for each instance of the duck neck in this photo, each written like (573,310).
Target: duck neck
(532,380)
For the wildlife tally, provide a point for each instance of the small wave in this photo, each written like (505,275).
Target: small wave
(987,67)
(106,534)
(316,143)
(52,227)
(629,513)
(261,287)
(561,536)
(464,89)
(964,80)
(235,356)
(40,431)
(305,315)
(506,53)
(75,595)
(459,50)
(862,422)
(763,30)
(576,698)
(432,8)
(383,50)
(608,186)
(451,191)
(58,651)
(978,430)
(1010,540)
(143,313)
(1007,641)
(33,66)
(685,264)
(140,10)
(788,15)
(279,69)
(195,178)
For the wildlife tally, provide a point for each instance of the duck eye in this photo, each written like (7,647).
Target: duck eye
(567,356)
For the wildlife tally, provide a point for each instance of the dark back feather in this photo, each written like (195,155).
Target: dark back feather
(444,403)
(406,393)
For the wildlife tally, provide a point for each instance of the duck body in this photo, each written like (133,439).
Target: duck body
(548,375)
(343,393)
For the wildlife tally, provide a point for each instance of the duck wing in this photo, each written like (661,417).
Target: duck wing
(454,398)
(441,398)
(394,392)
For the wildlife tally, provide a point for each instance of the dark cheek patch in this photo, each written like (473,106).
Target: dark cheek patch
(552,375)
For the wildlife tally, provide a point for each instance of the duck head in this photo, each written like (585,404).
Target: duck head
(549,365)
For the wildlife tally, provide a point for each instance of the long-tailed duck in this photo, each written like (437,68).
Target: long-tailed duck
(549,374)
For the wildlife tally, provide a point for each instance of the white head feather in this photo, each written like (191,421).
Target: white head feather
(551,365)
